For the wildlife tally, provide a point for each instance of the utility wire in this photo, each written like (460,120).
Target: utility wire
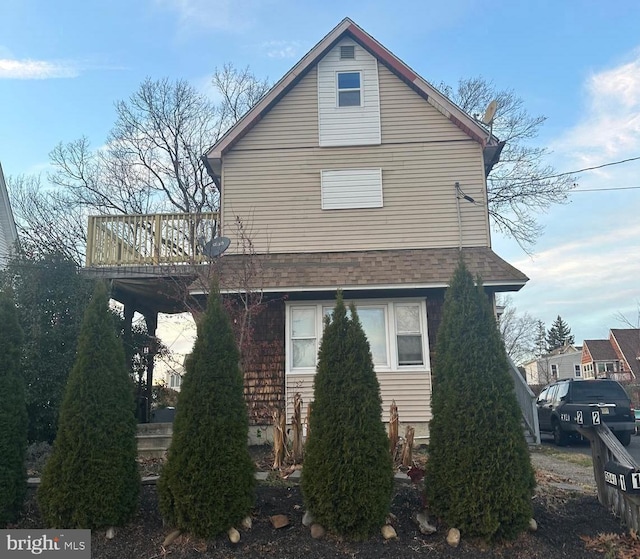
(593,168)
(606,189)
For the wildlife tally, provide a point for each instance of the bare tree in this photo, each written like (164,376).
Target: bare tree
(518,331)
(47,221)
(151,162)
(522,184)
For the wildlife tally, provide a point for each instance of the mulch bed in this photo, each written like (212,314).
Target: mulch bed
(570,525)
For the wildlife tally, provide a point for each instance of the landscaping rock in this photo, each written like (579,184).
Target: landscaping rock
(234,535)
(533,525)
(317,531)
(422,520)
(279,521)
(307,519)
(170,538)
(111,533)
(247,523)
(388,532)
(453,537)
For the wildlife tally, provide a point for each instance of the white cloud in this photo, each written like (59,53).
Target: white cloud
(610,126)
(228,15)
(281,49)
(36,69)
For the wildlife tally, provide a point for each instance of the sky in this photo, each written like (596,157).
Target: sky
(64,64)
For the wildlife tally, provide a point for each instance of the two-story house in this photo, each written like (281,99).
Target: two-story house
(617,357)
(561,363)
(351,173)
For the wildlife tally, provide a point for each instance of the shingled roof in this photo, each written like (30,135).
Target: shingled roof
(628,340)
(600,350)
(373,269)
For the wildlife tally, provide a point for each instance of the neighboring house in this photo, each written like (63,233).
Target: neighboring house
(617,358)
(8,232)
(351,173)
(563,362)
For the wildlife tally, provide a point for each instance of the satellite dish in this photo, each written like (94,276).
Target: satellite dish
(216,247)
(490,113)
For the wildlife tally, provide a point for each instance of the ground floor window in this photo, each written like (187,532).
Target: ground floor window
(396,331)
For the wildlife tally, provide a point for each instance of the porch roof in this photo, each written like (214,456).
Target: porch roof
(372,269)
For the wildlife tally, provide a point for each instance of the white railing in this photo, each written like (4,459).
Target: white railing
(527,400)
(149,239)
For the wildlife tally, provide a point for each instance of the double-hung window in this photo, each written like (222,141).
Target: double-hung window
(349,89)
(409,335)
(303,337)
(396,332)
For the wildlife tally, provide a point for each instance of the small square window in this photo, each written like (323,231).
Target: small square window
(349,89)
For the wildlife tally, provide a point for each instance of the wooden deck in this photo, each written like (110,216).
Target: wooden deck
(149,239)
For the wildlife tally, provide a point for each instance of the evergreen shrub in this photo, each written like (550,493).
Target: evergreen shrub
(347,478)
(208,483)
(91,479)
(479,477)
(13,414)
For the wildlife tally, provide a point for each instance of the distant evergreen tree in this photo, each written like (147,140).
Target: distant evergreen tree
(559,335)
(91,479)
(347,478)
(13,414)
(540,343)
(207,484)
(479,477)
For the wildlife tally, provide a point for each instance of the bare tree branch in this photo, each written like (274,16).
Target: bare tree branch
(521,185)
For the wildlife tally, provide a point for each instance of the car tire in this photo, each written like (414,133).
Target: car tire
(560,437)
(624,437)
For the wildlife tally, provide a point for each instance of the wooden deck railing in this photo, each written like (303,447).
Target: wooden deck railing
(149,239)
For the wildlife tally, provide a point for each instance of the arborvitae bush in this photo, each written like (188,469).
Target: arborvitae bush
(91,479)
(208,483)
(13,414)
(347,479)
(478,476)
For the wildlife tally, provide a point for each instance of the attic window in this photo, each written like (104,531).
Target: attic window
(347,52)
(348,89)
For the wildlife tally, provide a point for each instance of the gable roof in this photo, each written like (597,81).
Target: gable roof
(600,350)
(628,340)
(347,28)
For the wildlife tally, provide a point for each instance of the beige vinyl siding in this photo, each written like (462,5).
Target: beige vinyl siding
(410,390)
(293,122)
(273,182)
(348,126)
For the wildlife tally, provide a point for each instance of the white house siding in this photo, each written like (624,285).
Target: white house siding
(348,126)
(273,181)
(410,390)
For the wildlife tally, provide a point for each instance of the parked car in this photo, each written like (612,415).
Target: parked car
(557,400)
(637,414)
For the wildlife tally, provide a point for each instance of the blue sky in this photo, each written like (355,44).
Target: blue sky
(64,64)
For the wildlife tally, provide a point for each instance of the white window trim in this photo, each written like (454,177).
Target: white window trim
(389,306)
(577,371)
(360,89)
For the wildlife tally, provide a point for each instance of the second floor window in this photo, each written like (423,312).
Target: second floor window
(349,89)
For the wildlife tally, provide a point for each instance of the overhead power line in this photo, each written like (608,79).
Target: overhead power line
(595,167)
